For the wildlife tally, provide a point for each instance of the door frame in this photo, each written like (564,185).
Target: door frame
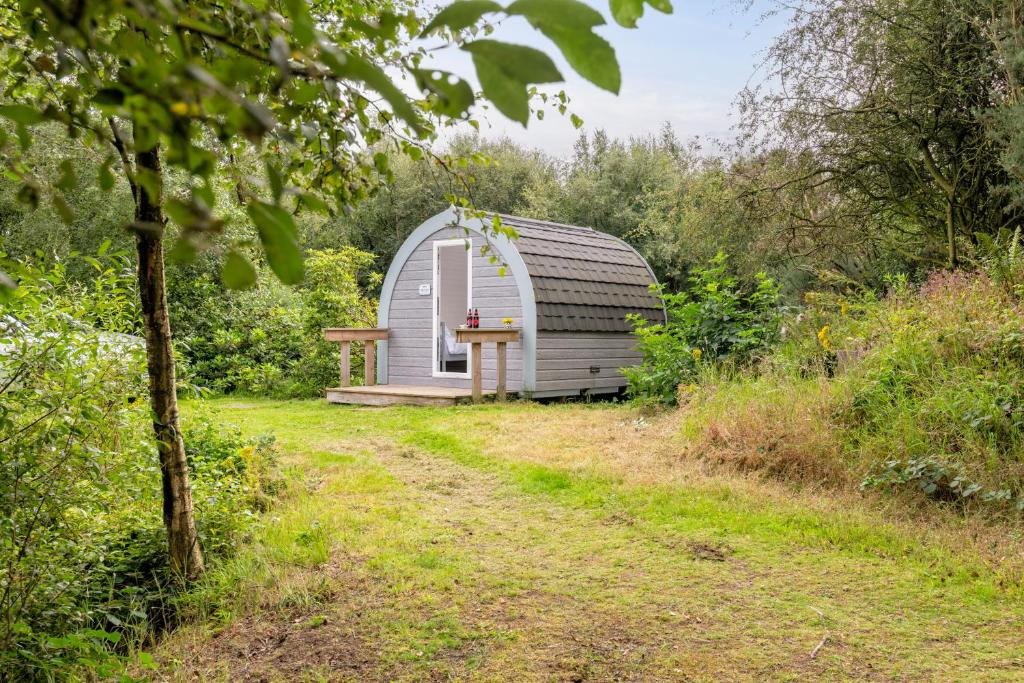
(435,306)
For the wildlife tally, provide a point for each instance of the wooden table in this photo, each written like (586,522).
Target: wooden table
(501,336)
(369,336)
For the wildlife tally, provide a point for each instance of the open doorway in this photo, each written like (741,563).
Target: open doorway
(453,287)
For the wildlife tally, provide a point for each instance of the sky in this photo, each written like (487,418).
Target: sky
(685,68)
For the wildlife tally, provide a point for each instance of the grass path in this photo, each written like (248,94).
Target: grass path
(567,543)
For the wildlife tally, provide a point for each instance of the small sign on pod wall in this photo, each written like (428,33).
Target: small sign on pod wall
(424,290)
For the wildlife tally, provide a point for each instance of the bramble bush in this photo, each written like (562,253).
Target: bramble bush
(83,567)
(715,321)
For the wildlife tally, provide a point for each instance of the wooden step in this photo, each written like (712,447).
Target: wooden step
(401,394)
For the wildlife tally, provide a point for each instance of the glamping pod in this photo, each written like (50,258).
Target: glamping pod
(566,289)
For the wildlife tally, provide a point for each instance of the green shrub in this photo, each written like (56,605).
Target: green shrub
(83,568)
(69,420)
(232,479)
(332,297)
(715,321)
(269,340)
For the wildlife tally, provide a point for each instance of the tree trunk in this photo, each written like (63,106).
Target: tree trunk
(185,555)
(949,190)
(951,255)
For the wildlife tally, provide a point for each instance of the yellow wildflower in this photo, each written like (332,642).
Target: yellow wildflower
(823,337)
(843,308)
(697,353)
(179,108)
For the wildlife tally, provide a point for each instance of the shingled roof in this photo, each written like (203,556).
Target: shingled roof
(583,280)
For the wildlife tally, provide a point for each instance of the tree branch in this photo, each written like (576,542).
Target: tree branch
(126,162)
(933,169)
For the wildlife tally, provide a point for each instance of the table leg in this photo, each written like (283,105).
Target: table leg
(343,363)
(501,371)
(477,371)
(369,362)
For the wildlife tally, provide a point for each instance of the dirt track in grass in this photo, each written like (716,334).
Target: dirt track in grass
(552,545)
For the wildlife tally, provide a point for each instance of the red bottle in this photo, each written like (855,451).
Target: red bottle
(476,318)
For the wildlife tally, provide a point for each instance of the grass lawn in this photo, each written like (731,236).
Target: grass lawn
(573,543)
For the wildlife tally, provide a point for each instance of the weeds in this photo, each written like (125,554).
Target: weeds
(939,481)
(922,389)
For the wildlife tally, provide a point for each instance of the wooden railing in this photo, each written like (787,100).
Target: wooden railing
(346,335)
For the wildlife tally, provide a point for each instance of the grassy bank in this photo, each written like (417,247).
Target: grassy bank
(920,394)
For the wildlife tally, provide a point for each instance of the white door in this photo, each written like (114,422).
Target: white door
(452,298)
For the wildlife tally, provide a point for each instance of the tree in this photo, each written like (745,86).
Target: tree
(308,89)
(879,105)
(1003,23)
(499,175)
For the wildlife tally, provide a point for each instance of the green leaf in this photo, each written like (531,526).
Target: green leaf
(452,96)
(314,203)
(460,15)
(21,113)
(280,240)
(627,12)
(184,250)
(63,209)
(179,212)
(353,67)
(68,179)
(413,152)
(567,13)
(24,137)
(384,26)
(147,662)
(569,24)
(106,178)
(505,70)
(303,30)
(111,636)
(238,272)
(29,194)
(275,180)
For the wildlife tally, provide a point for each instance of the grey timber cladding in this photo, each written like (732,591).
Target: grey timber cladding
(572,361)
(409,348)
(583,280)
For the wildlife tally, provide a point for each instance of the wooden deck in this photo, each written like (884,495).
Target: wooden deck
(401,394)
